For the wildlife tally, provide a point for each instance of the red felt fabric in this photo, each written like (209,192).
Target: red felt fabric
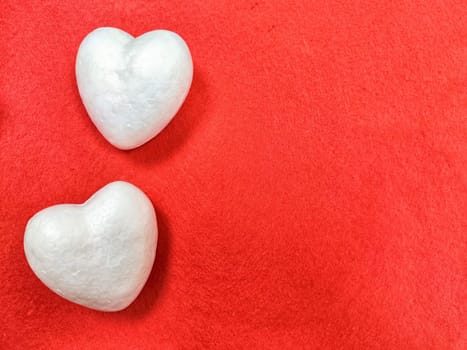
(311,192)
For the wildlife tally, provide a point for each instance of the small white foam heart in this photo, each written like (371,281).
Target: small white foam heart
(98,254)
(132,88)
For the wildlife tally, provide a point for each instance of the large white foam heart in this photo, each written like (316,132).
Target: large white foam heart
(98,254)
(132,88)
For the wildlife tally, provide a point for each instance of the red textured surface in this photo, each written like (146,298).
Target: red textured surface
(311,192)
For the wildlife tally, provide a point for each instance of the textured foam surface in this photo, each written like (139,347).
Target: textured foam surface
(132,87)
(98,254)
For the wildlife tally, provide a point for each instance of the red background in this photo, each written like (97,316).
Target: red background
(311,192)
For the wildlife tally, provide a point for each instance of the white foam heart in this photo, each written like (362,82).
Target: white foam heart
(132,88)
(98,254)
